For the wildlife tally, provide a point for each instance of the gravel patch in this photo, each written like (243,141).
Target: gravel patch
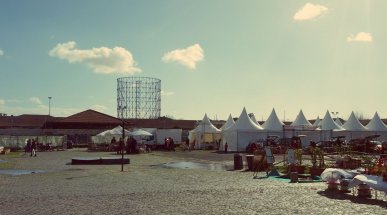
(146,188)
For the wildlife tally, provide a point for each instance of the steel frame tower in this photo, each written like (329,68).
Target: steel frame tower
(138,98)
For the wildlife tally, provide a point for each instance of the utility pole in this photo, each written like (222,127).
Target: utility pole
(49,105)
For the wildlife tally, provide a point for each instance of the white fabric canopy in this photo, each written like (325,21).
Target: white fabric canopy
(328,124)
(273,123)
(317,122)
(230,121)
(254,119)
(353,124)
(376,124)
(107,136)
(205,132)
(115,131)
(205,126)
(140,132)
(300,120)
(244,123)
(241,133)
(338,122)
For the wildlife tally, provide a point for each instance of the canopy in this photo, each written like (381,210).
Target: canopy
(230,121)
(300,120)
(338,122)
(376,124)
(254,119)
(317,122)
(113,132)
(106,136)
(273,123)
(353,124)
(244,123)
(205,126)
(241,133)
(140,132)
(328,124)
(205,132)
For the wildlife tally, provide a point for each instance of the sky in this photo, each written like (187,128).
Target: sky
(213,57)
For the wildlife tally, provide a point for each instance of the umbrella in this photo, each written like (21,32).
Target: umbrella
(140,132)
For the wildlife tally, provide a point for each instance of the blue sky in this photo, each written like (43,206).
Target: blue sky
(213,57)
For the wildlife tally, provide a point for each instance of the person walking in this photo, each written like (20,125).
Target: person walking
(33,148)
(187,144)
(28,147)
(120,146)
(225,147)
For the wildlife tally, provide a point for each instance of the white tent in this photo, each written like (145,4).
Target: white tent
(300,120)
(254,119)
(230,121)
(205,132)
(317,122)
(354,129)
(140,132)
(338,122)
(328,124)
(376,124)
(328,127)
(241,133)
(107,136)
(353,124)
(273,123)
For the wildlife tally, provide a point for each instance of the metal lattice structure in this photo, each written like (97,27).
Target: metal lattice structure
(138,98)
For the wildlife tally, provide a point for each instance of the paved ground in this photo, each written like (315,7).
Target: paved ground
(146,188)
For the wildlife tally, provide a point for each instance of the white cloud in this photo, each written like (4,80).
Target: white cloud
(187,57)
(360,37)
(2,102)
(35,100)
(165,93)
(101,60)
(310,11)
(1,52)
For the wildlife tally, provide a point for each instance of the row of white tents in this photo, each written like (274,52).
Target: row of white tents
(143,135)
(238,134)
(107,136)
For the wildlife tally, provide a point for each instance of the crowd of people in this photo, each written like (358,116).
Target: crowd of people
(131,146)
(31,147)
(169,144)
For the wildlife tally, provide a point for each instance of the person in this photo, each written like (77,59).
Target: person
(120,146)
(187,143)
(134,146)
(225,147)
(113,143)
(28,147)
(171,144)
(33,148)
(129,145)
(148,148)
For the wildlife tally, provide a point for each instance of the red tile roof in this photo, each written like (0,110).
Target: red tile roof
(90,116)
(25,120)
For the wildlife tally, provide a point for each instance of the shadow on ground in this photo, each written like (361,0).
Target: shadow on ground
(355,199)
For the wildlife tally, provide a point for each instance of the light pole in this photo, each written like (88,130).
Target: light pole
(49,105)
(122,144)
(335,114)
(123,139)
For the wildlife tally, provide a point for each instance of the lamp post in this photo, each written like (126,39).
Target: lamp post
(335,114)
(122,144)
(123,139)
(49,105)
